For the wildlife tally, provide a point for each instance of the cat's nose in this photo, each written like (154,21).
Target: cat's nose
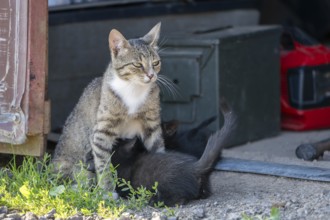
(150,75)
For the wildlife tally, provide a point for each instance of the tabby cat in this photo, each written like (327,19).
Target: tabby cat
(124,103)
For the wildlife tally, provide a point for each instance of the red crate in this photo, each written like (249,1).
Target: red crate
(305,82)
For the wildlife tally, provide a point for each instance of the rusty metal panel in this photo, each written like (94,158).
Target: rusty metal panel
(13,51)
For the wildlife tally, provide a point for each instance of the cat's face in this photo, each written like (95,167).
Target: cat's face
(136,60)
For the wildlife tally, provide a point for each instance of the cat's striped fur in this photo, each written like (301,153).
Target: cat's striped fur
(124,103)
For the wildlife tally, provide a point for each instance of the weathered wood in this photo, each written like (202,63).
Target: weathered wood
(13,57)
(274,169)
(37,64)
(47,117)
(34,146)
(36,85)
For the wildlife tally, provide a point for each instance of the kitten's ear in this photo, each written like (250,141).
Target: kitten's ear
(170,128)
(129,144)
(117,42)
(152,37)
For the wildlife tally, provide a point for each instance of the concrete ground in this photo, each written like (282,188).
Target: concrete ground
(281,148)
(235,193)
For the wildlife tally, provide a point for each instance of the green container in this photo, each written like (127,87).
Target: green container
(240,64)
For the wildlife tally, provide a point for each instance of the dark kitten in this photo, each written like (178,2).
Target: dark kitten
(181,177)
(192,141)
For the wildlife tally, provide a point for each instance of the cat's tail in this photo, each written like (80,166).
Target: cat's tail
(216,142)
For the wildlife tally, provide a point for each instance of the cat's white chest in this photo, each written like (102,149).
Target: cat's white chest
(131,94)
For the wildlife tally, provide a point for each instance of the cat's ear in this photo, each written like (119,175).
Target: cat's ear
(152,37)
(117,42)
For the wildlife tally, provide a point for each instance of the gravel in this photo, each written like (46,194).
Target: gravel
(233,195)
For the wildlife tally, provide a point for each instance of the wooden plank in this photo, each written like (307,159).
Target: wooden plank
(34,146)
(37,64)
(274,169)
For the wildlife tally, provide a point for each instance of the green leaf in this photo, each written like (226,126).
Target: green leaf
(25,191)
(125,189)
(57,190)
(155,186)
(275,214)
(86,211)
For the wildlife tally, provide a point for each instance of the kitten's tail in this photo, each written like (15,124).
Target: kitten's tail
(215,144)
(203,125)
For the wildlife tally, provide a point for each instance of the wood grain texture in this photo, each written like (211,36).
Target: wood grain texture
(37,64)
(36,72)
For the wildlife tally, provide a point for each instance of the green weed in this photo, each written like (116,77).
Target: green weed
(274,215)
(33,187)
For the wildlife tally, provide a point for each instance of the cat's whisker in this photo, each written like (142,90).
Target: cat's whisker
(168,86)
(163,83)
(175,89)
(163,88)
(162,42)
(161,47)
(162,50)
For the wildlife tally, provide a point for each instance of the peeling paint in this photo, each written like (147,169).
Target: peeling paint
(3,86)
(12,71)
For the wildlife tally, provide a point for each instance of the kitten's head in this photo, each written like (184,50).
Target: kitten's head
(136,60)
(128,148)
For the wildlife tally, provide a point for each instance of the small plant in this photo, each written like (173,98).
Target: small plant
(170,212)
(274,215)
(33,187)
(138,198)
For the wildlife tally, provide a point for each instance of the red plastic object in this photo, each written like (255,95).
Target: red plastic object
(305,82)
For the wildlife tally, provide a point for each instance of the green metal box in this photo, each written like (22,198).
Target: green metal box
(240,64)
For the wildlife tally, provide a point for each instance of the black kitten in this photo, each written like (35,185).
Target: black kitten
(192,141)
(181,177)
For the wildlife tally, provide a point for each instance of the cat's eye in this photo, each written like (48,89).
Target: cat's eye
(137,65)
(156,63)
